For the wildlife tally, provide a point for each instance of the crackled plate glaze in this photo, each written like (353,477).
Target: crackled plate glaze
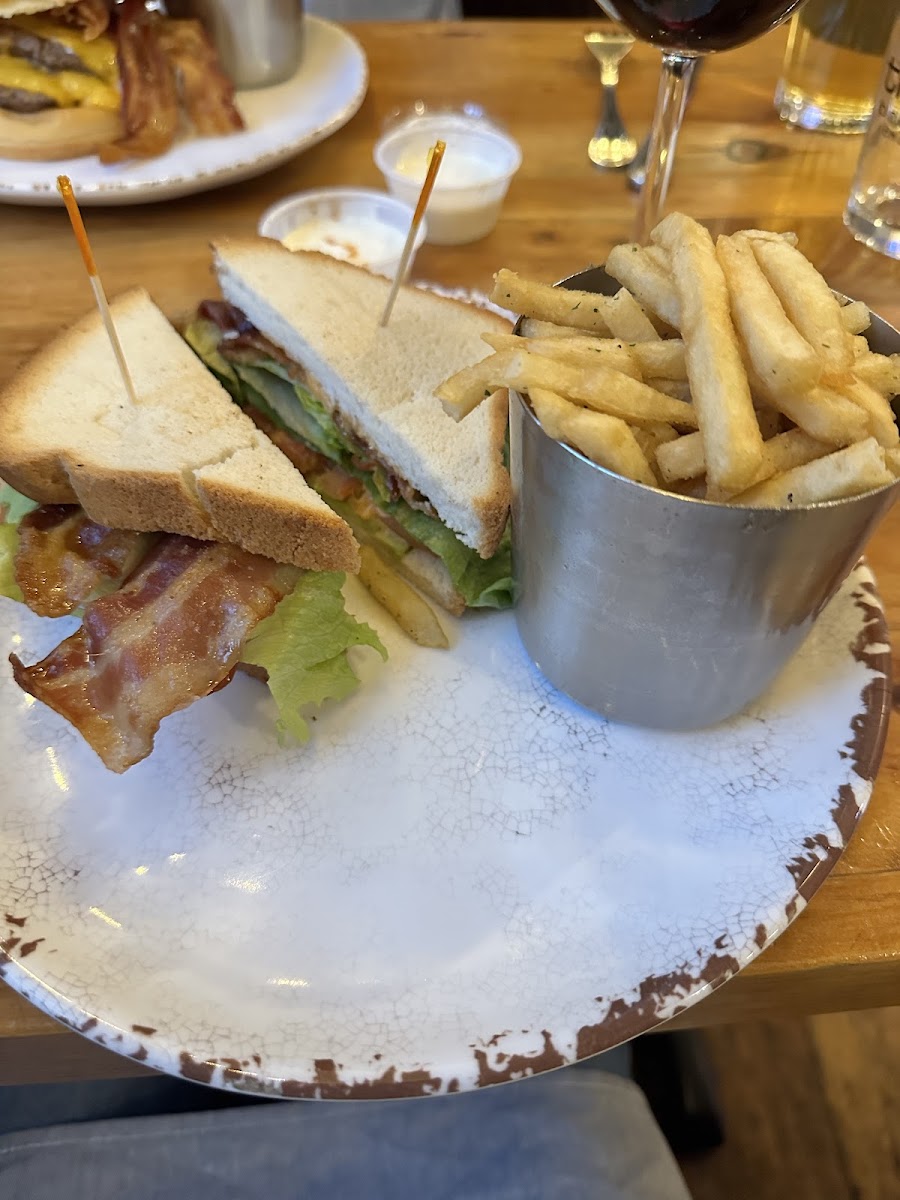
(462,879)
(281,121)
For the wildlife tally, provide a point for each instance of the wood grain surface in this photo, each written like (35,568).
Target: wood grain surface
(737,167)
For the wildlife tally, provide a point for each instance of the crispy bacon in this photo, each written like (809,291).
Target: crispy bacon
(243,342)
(206,91)
(149,96)
(90,16)
(171,634)
(65,558)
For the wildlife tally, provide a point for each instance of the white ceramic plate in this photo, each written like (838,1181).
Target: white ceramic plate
(326,91)
(462,879)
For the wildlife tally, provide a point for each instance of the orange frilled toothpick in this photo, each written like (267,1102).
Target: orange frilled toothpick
(434,162)
(64,184)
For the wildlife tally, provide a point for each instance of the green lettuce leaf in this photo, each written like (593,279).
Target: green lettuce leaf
(203,337)
(267,385)
(483,583)
(303,647)
(13,507)
(9,543)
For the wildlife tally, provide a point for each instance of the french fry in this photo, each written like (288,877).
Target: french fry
(860,348)
(808,301)
(661,432)
(768,419)
(532,328)
(627,319)
(719,386)
(661,359)
(822,412)
(647,281)
(766,235)
(651,437)
(597,388)
(660,258)
(561,306)
(881,423)
(578,352)
(855,317)
(605,440)
(879,371)
(779,355)
(683,459)
(680,389)
(402,601)
(467,388)
(892,459)
(654,359)
(849,472)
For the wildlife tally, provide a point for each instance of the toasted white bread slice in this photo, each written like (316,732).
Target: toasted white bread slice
(184,459)
(380,382)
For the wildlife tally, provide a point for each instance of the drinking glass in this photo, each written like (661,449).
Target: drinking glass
(832,64)
(873,210)
(685,30)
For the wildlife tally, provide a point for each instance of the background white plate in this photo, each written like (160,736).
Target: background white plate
(326,91)
(462,879)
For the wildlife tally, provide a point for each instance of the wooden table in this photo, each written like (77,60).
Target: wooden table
(737,166)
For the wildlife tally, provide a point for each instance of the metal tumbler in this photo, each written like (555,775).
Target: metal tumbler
(259,42)
(659,610)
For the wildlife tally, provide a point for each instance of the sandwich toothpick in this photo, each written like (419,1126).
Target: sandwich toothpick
(434,162)
(64,184)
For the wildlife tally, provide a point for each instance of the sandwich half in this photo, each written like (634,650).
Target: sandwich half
(186,539)
(297,342)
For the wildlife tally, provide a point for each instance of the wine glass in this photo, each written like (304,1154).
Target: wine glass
(685,30)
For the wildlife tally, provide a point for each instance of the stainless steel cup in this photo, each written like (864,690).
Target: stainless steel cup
(259,42)
(658,610)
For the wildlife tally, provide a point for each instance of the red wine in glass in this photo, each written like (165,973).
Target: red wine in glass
(699,26)
(685,30)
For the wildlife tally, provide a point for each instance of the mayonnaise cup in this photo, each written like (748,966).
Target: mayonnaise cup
(479,162)
(357,225)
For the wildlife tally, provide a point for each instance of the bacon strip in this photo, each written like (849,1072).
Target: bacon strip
(171,634)
(243,342)
(206,91)
(64,558)
(149,96)
(90,16)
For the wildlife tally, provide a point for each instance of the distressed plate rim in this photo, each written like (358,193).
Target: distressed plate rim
(660,997)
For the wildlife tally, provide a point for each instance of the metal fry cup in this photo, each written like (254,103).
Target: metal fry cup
(659,610)
(259,42)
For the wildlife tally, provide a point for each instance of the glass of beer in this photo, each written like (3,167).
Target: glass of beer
(833,62)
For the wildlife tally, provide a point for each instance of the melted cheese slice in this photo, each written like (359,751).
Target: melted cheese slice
(68,88)
(98,56)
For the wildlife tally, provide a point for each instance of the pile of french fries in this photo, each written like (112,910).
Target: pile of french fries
(725,371)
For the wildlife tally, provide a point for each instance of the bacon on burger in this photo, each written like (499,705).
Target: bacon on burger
(106,77)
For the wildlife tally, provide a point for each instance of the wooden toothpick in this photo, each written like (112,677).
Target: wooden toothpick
(64,184)
(434,162)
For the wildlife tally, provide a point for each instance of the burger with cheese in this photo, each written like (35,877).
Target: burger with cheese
(107,77)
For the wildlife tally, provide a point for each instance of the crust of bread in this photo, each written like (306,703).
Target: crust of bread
(57,133)
(184,459)
(380,384)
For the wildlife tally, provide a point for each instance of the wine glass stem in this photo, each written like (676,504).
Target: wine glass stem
(670,105)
